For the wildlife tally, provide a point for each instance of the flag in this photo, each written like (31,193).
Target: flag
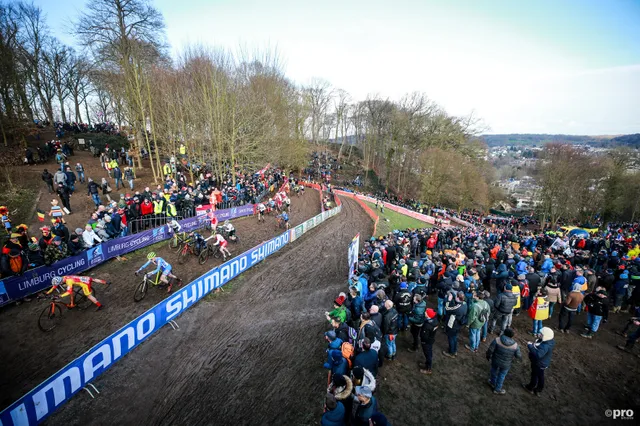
(40,215)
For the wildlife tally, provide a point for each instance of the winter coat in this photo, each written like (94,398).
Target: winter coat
(475,310)
(92,188)
(362,413)
(90,238)
(428,331)
(338,363)
(502,351)
(60,177)
(505,302)
(390,322)
(456,315)
(402,301)
(55,253)
(546,266)
(597,305)
(377,319)
(553,293)
(417,314)
(539,309)
(367,359)
(334,417)
(540,352)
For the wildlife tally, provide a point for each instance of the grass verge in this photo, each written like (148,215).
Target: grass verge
(390,220)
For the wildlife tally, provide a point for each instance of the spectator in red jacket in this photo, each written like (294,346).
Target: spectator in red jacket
(146,210)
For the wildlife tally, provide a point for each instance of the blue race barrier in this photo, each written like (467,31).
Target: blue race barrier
(38,279)
(45,398)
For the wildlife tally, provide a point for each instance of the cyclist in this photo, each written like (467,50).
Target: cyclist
(272,204)
(301,189)
(83,282)
(261,211)
(230,230)
(198,240)
(161,265)
(174,226)
(287,204)
(284,217)
(220,241)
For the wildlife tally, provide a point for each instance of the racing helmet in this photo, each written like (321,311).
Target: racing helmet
(56,281)
(151,255)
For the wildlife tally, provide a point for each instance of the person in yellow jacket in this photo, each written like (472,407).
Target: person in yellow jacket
(539,311)
(166,169)
(171,209)
(183,150)
(515,289)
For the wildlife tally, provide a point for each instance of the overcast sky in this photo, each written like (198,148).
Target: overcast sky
(563,66)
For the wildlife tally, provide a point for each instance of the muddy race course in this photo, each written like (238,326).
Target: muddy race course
(247,357)
(29,356)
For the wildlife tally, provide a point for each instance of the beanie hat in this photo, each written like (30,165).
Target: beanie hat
(547,334)
(403,286)
(508,332)
(331,335)
(339,380)
(430,313)
(340,300)
(508,287)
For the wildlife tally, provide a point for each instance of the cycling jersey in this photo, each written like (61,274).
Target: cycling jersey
(284,217)
(175,226)
(74,280)
(261,207)
(220,241)
(162,265)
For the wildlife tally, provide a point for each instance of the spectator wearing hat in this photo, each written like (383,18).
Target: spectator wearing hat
(333,412)
(597,311)
(334,343)
(540,354)
(501,353)
(402,302)
(339,310)
(620,288)
(390,329)
(427,339)
(75,245)
(570,306)
(356,305)
(364,406)
(56,251)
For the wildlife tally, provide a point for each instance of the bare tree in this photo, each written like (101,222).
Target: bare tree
(319,95)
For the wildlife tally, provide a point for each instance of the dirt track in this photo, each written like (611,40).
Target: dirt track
(248,357)
(29,356)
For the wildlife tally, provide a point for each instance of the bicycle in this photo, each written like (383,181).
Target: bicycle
(141,290)
(51,315)
(281,224)
(210,250)
(177,240)
(189,246)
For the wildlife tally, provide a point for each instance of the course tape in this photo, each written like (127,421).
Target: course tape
(45,398)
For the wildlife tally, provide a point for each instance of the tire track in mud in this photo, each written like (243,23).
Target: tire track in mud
(251,356)
(30,356)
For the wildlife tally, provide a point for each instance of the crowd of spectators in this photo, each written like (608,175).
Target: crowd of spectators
(129,212)
(434,282)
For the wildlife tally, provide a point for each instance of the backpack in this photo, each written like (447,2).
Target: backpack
(347,352)
(353,334)
(484,315)
(465,318)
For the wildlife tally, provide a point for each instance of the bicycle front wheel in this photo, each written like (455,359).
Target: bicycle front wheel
(141,291)
(182,257)
(173,242)
(50,317)
(204,256)
(82,301)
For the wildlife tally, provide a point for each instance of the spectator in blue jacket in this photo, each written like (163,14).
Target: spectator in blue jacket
(370,296)
(540,353)
(338,364)
(546,265)
(334,344)
(368,358)
(364,406)
(333,412)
